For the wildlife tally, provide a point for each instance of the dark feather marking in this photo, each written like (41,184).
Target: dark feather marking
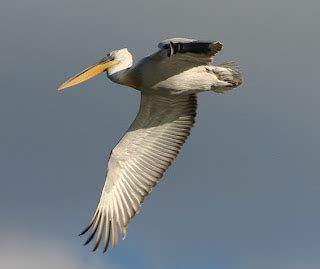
(197,47)
(94,230)
(107,235)
(100,230)
(89,225)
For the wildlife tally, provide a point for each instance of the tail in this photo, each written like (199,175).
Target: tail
(229,75)
(232,73)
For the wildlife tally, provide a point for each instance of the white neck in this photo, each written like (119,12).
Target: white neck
(122,66)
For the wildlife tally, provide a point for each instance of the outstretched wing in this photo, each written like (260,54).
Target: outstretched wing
(139,160)
(196,48)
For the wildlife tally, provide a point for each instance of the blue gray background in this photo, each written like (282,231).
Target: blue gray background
(244,193)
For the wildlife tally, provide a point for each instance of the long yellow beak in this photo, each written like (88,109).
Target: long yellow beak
(89,73)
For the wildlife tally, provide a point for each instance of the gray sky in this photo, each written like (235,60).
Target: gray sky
(243,193)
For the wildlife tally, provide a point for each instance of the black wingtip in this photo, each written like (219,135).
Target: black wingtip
(86,229)
(89,225)
(83,232)
(89,239)
(107,236)
(94,230)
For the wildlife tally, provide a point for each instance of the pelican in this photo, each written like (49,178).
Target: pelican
(168,81)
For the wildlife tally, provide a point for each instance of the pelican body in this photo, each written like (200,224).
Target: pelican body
(168,81)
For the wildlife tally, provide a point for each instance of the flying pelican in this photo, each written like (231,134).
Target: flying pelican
(168,81)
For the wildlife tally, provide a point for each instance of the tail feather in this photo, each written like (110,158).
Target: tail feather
(228,77)
(234,71)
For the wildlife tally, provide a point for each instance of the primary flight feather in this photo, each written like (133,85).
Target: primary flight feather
(168,81)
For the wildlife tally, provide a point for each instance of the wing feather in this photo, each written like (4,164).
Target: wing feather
(107,234)
(199,49)
(138,162)
(100,231)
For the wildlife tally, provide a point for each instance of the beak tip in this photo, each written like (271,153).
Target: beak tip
(61,87)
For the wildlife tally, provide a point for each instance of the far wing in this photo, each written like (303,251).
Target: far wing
(196,48)
(139,161)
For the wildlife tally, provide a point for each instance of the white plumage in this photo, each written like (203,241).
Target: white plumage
(168,80)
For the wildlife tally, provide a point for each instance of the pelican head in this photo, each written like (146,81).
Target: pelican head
(112,63)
